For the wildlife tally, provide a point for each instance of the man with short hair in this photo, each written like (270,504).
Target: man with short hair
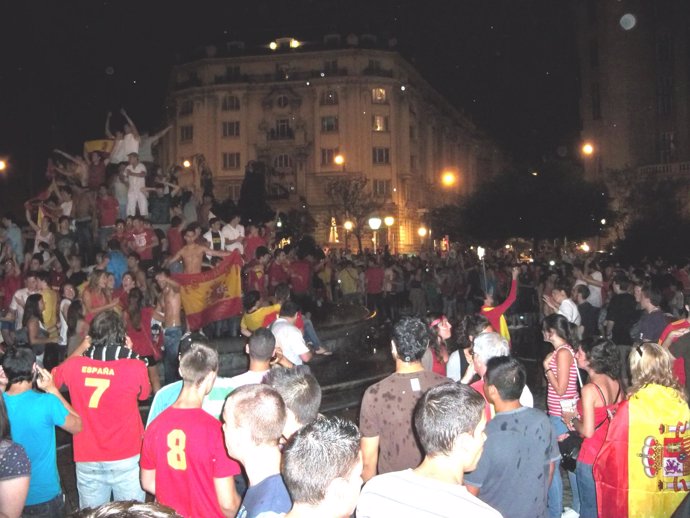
(142,241)
(516,488)
(19,298)
(33,416)
(289,338)
(322,468)
(105,385)
(192,253)
(233,233)
(300,392)
(653,321)
(260,349)
(170,313)
(450,423)
(388,442)
(183,458)
(253,422)
(589,315)
(621,312)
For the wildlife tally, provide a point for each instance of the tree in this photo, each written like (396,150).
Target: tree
(352,197)
(553,201)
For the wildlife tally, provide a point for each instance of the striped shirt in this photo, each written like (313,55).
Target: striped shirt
(553,400)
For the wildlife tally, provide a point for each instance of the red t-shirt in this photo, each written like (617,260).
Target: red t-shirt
(256,279)
(678,363)
(109,210)
(105,395)
(175,242)
(277,273)
(10,284)
(143,238)
(300,276)
(251,243)
(142,344)
(186,448)
(374,277)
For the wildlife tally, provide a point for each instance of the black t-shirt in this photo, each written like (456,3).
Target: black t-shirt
(159,209)
(589,317)
(622,311)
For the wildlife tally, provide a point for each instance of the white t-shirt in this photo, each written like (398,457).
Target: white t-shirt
(595,291)
(118,155)
(404,494)
(66,208)
(247,378)
(136,182)
(130,144)
(62,311)
(290,339)
(230,233)
(569,310)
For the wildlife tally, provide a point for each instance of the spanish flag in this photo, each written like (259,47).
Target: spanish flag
(214,294)
(643,468)
(104,146)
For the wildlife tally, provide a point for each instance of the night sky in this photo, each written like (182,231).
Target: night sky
(509,64)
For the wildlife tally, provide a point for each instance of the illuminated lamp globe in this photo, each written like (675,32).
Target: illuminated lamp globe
(339,159)
(3,165)
(587,149)
(273,45)
(389,220)
(348,225)
(448,179)
(187,164)
(422,231)
(375,223)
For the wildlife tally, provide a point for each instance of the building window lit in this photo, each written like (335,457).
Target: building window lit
(382,188)
(282,162)
(380,123)
(231,128)
(231,103)
(328,155)
(186,133)
(186,108)
(231,161)
(381,155)
(378,96)
(329,124)
(283,101)
(329,97)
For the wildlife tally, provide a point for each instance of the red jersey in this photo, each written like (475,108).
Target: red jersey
(277,273)
(272,317)
(142,344)
(374,277)
(256,279)
(175,241)
(251,243)
(185,446)
(300,276)
(105,394)
(143,239)
(678,363)
(10,285)
(108,211)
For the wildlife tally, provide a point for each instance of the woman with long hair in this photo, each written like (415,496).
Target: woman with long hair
(95,296)
(15,470)
(436,356)
(76,326)
(36,333)
(560,370)
(138,321)
(600,397)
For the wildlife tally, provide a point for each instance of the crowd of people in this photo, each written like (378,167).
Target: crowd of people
(91,309)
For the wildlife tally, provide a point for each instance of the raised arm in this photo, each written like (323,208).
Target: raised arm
(31,222)
(66,155)
(161,133)
(135,131)
(108,133)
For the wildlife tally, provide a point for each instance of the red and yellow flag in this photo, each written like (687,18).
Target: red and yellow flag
(104,146)
(643,468)
(214,294)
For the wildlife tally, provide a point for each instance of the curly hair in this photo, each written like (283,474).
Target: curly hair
(471,326)
(651,364)
(603,356)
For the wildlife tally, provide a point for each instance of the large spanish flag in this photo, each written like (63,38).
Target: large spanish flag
(104,146)
(214,294)
(643,468)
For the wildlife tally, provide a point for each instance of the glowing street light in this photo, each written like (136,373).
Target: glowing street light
(587,149)
(389,220)
(585,247)
(187,164)
(273,45)
(295,44)
(348,225)
(375,225)
(339,159)
(603,221)
(422,231)
(481,252)
(448,179)
(3,165)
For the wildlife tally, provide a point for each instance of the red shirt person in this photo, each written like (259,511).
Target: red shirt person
(105,386)
(142,239)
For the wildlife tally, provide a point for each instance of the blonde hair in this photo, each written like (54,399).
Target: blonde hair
(651,364)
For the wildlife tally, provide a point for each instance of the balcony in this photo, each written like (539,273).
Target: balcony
(378,72)
(192,82)
(671,170)
(283,134)
(230,79)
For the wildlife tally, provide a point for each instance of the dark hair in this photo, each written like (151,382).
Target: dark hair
(471,326)
(128,509)
(282,292)
(32,308)
(75,313)
(299,389)
(316,455)
(508,375)
(135,304)
(135,256)
(444,413)
(262,343)
(213,221)
(260,410)
(652,293)
(559,324)
(563,285)
(261,251)
(10,216)
(603,357)
(289,309)
(175,221)
(43,276)
(107,330)
(18,364)
(5,429)
(411,339)
(583,290)
(188,339)
(114,244)
(250,299)
(39,258)
(436,342)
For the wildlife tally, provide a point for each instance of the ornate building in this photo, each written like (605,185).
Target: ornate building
(314,112)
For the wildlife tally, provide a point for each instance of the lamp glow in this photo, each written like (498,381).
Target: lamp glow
(348,225)
(422,231)
(339,159)
(273,45)
(481,252)
(389,220)
(375,223)
(187,164)
(448,179)
(588,149)
(3,165)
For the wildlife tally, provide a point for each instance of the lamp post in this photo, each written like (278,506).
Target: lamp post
(388,221)
(422,232)
(348,225)
(339,159)
(448,179)
(480,253)
(375,225)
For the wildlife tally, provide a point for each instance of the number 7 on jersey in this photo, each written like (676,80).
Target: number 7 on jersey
(101,385)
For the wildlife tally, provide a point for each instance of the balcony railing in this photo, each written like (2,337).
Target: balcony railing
(286,134)
(299,75)
(379,72)
(670,169)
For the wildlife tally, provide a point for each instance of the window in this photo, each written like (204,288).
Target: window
(374,65)
(329,97)
(379,122)
(186,133)
(329,123)
(593,54)
(382,188)
(667,147)
(234,190)
(330,66)
(380,155)
(664,95)
(283,128)
(186,108)
(231,103)
(282,162)
(231,161)
(328,155)
(596,102)
(232,71)
(283,101)
(378,96)
(231,128)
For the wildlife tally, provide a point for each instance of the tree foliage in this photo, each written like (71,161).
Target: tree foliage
(352,198)
(555,202)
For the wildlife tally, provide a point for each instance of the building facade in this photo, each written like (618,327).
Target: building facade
(635,86)
(314,112)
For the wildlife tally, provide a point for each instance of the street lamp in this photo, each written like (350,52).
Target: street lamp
(481,253)
(187,164)
(339,159)
(448,179)
(587,149)
(388,220)
(348,226)
(375,225)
